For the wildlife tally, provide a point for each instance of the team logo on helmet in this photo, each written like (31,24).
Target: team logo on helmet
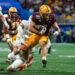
(45,11)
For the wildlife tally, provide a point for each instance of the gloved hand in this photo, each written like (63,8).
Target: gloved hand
(43,30)
(56,33)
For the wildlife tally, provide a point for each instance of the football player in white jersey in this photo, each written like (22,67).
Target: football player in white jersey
(23,34)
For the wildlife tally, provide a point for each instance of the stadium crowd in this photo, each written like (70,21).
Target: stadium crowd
(64,9)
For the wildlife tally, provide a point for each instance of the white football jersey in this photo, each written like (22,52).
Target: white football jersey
(23,33)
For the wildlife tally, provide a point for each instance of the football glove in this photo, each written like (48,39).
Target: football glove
(56,33)
(43,30)
(38,27)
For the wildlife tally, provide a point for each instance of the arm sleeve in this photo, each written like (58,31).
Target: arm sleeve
(20,32)
(54,18)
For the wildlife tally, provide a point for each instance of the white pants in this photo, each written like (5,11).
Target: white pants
(16,63)
(18,60)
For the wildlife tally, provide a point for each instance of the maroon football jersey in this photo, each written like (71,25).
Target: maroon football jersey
(13,23)
(45,22)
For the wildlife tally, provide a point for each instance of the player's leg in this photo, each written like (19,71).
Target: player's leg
(39,50)
(30,60)
(43,53)
(49,47)
(13,38)
(15,65)
(29,43)
(43,41)
(10,44)
(11,57)
(25,65)
(30,57)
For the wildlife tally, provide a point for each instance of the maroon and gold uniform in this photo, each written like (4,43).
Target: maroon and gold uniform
(44,21)
(34,39)
(13,24)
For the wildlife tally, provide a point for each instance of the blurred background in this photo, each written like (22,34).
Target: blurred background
(63,9)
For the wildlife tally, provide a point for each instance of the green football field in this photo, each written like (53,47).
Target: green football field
(60,62)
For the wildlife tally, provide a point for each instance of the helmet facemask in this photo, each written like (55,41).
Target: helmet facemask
(13,14)
(45,16)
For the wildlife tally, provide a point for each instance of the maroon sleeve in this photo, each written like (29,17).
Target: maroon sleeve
(18,18)
(33,17)
(54,18)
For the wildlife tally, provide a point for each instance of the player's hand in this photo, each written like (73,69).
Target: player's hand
(43,31)
(7,60)
(56,33)
(14,32)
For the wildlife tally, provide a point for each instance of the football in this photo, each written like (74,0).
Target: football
(38,27)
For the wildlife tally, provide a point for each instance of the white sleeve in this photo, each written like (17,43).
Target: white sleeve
(6,24)
(17,42)
(30,20)
(26,24)
(20,32)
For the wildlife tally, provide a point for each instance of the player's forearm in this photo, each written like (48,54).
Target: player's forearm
(58,30)
(33,30)
(30,62)
(2,18)
(56,27)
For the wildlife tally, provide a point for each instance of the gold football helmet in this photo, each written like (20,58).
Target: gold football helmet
(45,11)
(12,10)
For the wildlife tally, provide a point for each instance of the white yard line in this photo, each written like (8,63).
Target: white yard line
(63,44)
(4,49)
(68,56)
